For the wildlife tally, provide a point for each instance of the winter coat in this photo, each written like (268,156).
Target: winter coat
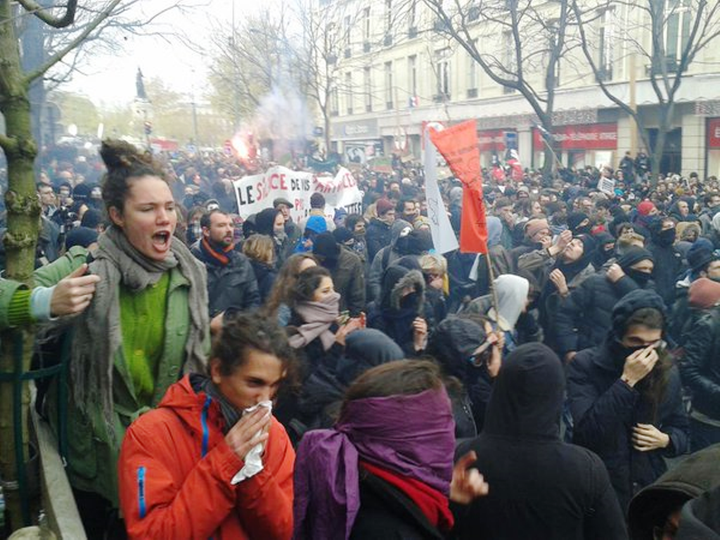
(540,487)
(584,317)
(388,514)
(668,267)
(7,289)
(696,474)
(175,475)
(92,459)
(605,409)
(232,285)
(700,365)
(392,314)
(699,519)
(265,276)
(550,304)
(384,258)
(377,236)
(349,279)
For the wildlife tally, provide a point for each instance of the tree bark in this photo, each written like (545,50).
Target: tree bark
(23,217)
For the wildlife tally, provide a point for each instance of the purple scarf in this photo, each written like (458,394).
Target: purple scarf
(409,435)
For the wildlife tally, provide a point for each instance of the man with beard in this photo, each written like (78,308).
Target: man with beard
(625,397)
(231,280)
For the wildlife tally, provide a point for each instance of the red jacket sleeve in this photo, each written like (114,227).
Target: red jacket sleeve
(265,501)
(155,505)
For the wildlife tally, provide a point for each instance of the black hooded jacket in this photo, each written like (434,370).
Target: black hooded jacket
(452,344)
(688,480)
(394,313)
(584,317)
(605,409)
(540,487)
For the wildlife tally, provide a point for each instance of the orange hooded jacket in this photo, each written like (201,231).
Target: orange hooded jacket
(175,470)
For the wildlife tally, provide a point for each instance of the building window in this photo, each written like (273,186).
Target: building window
(679,19)
(349,92)
(346,37)
(412,75)
(366,29)
(334,102)
(367,80)
(606,44)
(388,86)
(442,73)
(508,42)
(412,19)
(472,73)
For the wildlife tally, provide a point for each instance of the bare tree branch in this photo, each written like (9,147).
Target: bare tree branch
(73,44)
(40,12)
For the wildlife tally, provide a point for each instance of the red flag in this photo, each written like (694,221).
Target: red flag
(459,146)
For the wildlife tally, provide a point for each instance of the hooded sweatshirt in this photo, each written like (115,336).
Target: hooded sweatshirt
(520,455)
(399,232)
(395,312)
(693,476)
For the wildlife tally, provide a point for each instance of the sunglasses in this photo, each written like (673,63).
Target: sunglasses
(483,353)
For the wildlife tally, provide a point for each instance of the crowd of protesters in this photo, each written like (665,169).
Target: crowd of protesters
(337,377)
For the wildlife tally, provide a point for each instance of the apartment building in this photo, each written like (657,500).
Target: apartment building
(399,70)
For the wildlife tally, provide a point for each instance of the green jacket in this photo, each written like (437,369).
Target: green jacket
(93,449)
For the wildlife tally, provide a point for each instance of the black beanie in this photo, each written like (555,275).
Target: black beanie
(634,255)
(265,221)
(80,236)
(575,219)
(632,302)
(326,246)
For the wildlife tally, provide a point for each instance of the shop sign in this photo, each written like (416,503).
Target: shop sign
(497,140)
(361,129)
(713,133)
(582,137)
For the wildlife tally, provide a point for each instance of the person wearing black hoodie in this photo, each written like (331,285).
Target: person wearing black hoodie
(468,350)
(584,316)
(540,487)
(401,312)
(625,397)
(668,261)
(659,505)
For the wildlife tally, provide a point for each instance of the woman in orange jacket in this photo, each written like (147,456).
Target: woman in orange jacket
(201,465)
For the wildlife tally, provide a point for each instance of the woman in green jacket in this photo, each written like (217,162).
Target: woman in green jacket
(146,325)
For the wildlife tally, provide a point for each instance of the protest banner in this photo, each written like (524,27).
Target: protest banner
(257,192)
(459,146)
(444,239)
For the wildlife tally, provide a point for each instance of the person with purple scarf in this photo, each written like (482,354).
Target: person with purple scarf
(385,470)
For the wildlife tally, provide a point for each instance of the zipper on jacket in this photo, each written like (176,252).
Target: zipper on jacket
(205,431)
(141,491)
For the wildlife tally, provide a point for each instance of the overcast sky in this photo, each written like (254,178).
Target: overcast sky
(111,80)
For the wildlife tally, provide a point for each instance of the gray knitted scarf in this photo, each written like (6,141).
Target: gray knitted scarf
(97,334)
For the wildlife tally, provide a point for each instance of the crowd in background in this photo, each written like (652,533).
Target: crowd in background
(593,320)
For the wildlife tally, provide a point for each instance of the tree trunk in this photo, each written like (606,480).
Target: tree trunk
(23,212)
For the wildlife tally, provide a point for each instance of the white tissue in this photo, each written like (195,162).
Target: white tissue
(253,459)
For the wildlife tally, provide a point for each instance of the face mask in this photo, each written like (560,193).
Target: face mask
(666,238)
(641,278)
(280,234)
(583,230)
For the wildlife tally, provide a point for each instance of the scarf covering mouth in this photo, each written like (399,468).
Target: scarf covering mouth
(317,318)
(97,337)
(410,435)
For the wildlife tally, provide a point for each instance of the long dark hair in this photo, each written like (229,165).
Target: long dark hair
(653,388)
